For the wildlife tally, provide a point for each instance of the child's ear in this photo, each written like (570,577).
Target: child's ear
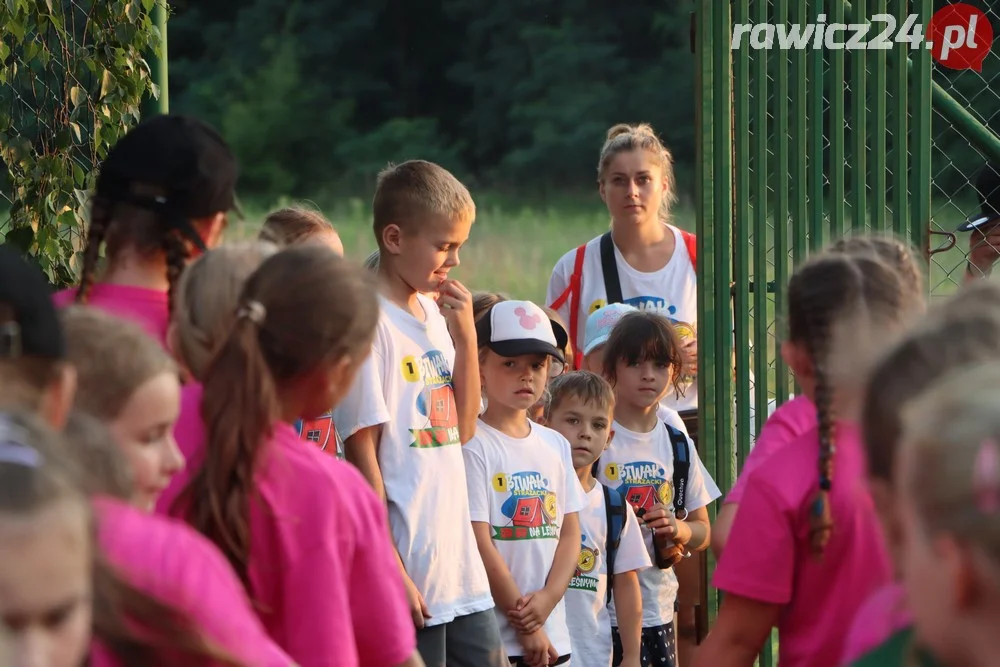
(392,237)
(57,402)
(611,436)
(797,358)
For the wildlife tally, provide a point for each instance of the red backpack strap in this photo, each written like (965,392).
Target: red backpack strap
(691,243)
(572,292)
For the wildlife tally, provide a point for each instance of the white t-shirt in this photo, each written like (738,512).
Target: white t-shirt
(405,385)
(523,487)
(672,291)
(640,466)
(586,597)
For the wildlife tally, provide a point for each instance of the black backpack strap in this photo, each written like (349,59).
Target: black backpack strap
(616,513)
(681,449)
(612,284)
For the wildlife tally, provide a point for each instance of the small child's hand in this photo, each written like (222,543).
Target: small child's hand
(538,650)
(665,526)
(455,302)
(531,611)
(418,608)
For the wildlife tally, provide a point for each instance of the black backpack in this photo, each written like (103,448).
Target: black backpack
(614,502)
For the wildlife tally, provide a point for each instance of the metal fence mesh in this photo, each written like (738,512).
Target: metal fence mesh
(957,163)
(72,74)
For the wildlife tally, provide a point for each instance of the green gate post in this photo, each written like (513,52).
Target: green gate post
(159,63)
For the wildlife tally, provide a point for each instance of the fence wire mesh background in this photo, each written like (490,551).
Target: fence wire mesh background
(774,149)
(71,77)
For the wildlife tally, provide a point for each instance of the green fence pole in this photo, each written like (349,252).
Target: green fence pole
(799,110)
(859,130)
(158,63)
(920,112)
(761,234)
(782,148)
(816,144)
(741,240)
(899,90)
(837,84)
(879,113)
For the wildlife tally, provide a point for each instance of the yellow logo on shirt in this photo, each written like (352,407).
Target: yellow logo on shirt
(597,305)
(587,561)
(411,369)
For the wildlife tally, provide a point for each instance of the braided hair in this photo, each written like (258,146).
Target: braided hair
(829,295)
(100,218)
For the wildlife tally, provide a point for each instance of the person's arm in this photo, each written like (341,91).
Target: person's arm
(456,307)
(984,250)
(502,585)
(720,529)
(628,608)
(361,451)
(739,633)
(695,531)
(533,609)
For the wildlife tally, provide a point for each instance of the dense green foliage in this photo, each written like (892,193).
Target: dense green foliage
(513,94)
(72,78)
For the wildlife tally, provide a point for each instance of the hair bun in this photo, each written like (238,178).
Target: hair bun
(618,130)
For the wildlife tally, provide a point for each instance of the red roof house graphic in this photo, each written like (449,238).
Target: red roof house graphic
(318,431)
(440,402)
(643,497)
(528,512)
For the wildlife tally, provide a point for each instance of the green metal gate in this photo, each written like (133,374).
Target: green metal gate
(799,147)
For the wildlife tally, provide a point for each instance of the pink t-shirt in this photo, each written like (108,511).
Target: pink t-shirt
(175,565)
(788,422)
(146,307)
(884,614)
(323,572)
(768,556)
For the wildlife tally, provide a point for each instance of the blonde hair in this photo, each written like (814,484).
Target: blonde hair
(113,358)
(483,301)
(408,194)
(962,331)
(108,471)
(945,432)
(207,297)
(896,253)
(583,385)
(624,138)
(293,224)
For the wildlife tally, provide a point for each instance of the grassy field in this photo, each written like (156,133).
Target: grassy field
(512,249)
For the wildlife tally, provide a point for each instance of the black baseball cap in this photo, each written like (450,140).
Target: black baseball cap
(513,328)
(988,189)
(176,165)
(29,324)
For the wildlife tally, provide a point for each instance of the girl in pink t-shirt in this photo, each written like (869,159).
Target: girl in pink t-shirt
(306,534)
(61,605)
(949,508)
(798,415)
(138,399)
(804,553)
(162,196)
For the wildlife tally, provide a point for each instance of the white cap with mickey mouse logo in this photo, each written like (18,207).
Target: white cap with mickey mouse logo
(514,328)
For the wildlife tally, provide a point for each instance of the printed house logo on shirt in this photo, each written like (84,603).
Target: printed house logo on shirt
(643,483)
(530,507)
(436,400)
(585,577)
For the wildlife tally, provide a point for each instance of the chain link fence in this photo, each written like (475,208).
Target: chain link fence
(957,162)
(72,77)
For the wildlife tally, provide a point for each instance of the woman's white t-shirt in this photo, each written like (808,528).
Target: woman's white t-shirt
(586,598)
(641,467)
(523,487)
(672,291)
(406,386)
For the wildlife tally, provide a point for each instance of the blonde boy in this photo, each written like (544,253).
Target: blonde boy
(415,403)
(580,407)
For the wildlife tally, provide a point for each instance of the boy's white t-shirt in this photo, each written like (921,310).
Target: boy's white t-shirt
(406,386)
(672,291)
(523,487)
(640,466)
(586,597)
